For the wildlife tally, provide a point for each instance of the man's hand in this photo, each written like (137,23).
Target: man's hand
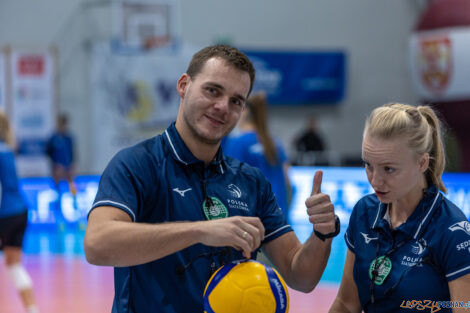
(240,232)
(320,210)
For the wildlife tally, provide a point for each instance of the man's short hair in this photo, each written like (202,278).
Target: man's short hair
(231,55)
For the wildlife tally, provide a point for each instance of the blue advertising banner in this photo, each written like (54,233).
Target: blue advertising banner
(300,77)
(345,186)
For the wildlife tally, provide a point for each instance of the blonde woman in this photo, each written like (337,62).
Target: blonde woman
(407,241)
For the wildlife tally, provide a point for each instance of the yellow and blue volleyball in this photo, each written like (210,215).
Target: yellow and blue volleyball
(248,286)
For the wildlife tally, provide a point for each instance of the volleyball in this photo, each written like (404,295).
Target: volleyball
(247,286)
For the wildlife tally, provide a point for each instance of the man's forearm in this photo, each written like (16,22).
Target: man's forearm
(308,263)
(119,243)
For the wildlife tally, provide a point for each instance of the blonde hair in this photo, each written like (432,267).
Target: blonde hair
(422,128)
(6,132)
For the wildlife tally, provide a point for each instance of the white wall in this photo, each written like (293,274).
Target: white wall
(374,34)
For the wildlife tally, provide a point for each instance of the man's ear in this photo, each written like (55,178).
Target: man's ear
(182,85)
(424,162)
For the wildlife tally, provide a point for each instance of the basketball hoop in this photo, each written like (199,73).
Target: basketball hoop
(154,42)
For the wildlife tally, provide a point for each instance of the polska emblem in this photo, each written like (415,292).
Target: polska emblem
(435,63)
(214,210)
(234,190)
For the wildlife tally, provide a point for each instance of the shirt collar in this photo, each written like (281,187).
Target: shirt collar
(183,155)
(418,220)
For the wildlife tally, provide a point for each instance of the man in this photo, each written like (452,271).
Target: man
(172,209)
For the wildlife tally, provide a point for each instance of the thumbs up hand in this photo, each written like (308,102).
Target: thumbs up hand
(320,210)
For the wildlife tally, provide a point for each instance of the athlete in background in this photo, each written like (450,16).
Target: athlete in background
(13,217)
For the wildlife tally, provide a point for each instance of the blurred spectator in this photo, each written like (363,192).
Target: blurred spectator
(309,139)
(253,144)
(310,146)
(60,149)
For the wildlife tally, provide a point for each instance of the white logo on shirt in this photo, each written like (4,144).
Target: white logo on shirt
(368,239)
(420,247)
(182,192)
(234,190)
(463,226)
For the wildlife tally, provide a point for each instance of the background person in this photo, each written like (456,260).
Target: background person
(13,217)
(405,241)
(255,145)
(60,149)
(309,145)
(172,209)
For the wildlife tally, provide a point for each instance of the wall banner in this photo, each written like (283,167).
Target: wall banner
(33,107)
(293,77)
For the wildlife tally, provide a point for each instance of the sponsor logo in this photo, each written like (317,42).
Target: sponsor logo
(463,226)
(368,239)
(279,292)
(182,192)
(463,245)
(235,191)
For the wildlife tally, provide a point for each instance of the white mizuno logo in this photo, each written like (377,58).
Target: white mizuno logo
(182,192)
(368,239)
(463,226)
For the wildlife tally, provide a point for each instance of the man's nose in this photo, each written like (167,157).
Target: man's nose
(222,104)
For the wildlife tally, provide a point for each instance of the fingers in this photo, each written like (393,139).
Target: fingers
(240,232)
(320,209)
(317,179)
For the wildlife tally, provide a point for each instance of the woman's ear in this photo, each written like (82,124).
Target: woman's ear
(424,162)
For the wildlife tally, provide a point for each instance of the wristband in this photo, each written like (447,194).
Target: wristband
(333,234)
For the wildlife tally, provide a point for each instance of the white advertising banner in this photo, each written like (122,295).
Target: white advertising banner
(3,78)
(132,98)
(440,64)
(33,109)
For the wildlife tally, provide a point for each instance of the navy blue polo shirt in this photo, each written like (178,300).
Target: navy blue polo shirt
(160,180)
(428,251)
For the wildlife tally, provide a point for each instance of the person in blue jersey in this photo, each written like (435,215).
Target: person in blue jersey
(13,217)
(255,146)
(60,149)
(408,244)
(172,209)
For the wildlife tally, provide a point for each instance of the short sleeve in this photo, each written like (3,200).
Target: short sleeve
(119,186)
(454,251)
(271,214)
(351,230)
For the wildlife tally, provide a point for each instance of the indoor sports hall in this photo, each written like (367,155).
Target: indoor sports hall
(110,69)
